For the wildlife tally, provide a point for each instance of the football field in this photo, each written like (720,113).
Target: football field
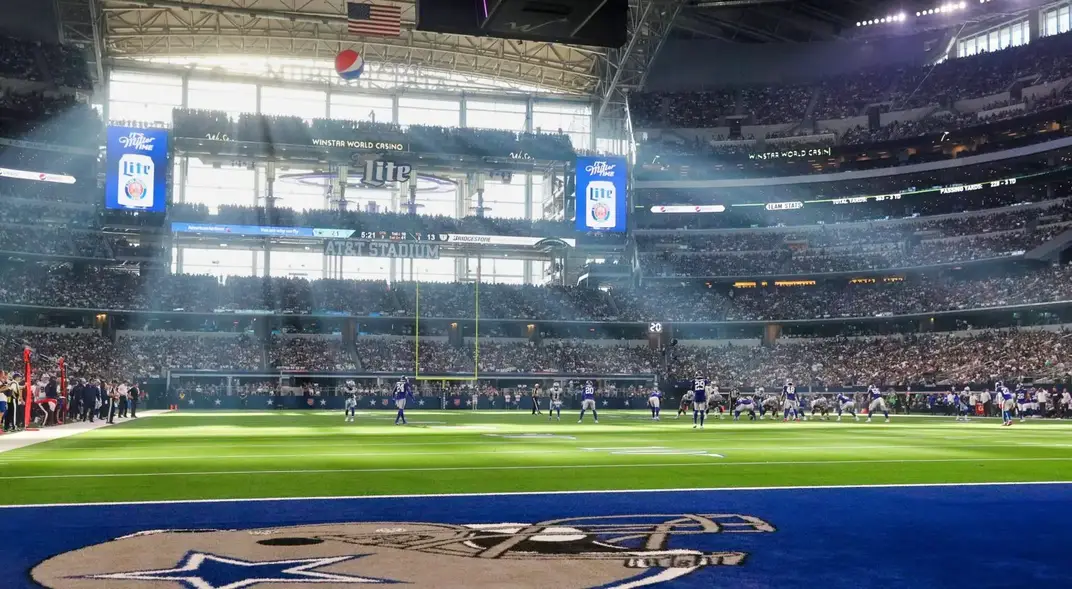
(225,455)
(504,499)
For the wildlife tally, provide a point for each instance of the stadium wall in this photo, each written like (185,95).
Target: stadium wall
(677,69)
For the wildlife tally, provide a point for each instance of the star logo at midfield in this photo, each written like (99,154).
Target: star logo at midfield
(199,570)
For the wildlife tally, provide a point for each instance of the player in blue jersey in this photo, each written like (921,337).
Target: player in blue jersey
(846,404)
(588,401)
(554,408)
(1008,401)
(878,403)
(655,400)
(744,403)
(1023,401)
(699,401)
(789,401)
(403,393)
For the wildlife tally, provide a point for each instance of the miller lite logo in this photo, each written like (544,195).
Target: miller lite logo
(378,173)
(137,141)
(602,169)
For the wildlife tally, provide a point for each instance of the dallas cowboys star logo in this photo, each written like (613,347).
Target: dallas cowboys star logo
(269,402)
(218,402)
(605,402)
(421,402)
(199,570)
(323,402)
(191,402)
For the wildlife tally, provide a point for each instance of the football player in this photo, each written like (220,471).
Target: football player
(963,407)
(1022,401)
(555,403)
(714,399)
(686,403)
(878,403)
(1007,403)
(820,405)
(789,401)
(845,403)
(403,393)
(351,406)
(744,403)
(655,398)
(699,401)
(769,405)
(588,401)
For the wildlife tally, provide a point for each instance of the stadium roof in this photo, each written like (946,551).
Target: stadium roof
(767,21)
(315,29)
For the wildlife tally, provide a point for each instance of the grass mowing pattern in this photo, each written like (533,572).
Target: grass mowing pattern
(220,455)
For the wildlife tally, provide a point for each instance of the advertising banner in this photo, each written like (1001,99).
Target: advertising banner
(601,195)
(136,177)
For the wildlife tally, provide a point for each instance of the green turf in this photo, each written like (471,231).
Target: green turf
(199,455)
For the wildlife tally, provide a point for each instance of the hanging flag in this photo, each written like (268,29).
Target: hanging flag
(373,19)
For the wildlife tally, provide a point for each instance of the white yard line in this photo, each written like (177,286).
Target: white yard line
(9,442)
(533,493)
(560,467)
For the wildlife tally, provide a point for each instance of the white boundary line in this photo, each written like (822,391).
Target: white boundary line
(532,493)
(123,475)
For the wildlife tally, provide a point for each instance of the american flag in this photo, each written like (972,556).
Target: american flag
(373,19)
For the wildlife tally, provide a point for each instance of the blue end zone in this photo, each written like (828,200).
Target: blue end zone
(834,538)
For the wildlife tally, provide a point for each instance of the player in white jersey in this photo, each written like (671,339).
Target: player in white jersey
(846,404)
(714,399)
(654,402)
(351,407)
(554,407)
(962,403)
(588,401)
(770,405)
(878,403)
(686,404)
(820,405)
(1066,404)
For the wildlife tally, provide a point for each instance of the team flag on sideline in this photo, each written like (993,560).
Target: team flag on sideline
(378,20)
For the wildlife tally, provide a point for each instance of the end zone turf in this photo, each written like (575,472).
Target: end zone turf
(839,538)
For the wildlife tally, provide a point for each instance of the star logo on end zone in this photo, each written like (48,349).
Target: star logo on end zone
(137,141)
(620,551)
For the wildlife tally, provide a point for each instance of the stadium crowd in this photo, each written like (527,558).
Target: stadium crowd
(901,361)
(894,87)
(66,287)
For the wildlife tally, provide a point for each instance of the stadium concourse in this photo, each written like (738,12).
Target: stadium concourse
(833,345)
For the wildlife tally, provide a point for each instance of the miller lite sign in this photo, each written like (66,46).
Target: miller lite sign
(601,184)
(379,173)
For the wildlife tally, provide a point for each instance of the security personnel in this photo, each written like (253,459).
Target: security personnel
(91,394)
(134,394)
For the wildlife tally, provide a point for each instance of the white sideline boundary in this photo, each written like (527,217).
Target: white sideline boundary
(208,473)
(532,493)
(24,439)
